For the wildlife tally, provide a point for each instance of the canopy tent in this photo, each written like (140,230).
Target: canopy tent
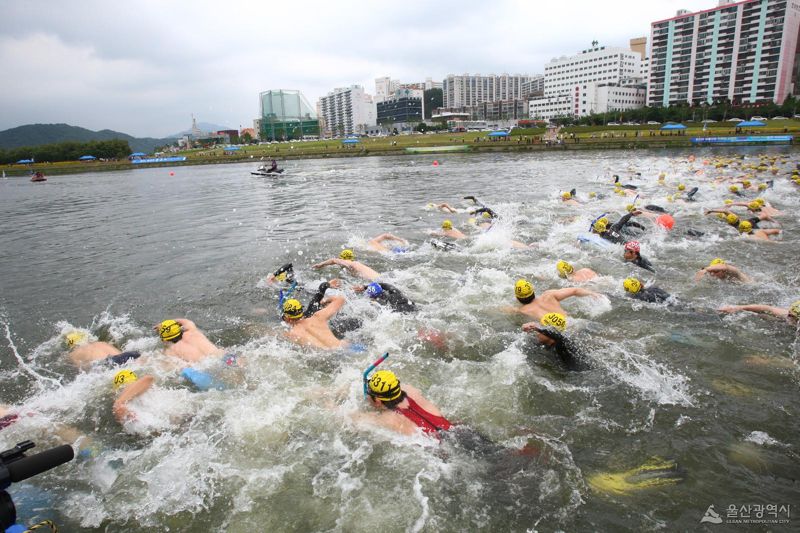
(138,154)
(231,148)
(25,161)
(499,134)
(673,127)
(750,124)
(350,141)
(86,158)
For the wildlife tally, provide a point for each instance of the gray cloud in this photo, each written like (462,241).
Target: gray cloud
(144,67)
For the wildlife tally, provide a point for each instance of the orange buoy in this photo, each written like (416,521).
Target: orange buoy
(435,163)
(171,173)
(666,221)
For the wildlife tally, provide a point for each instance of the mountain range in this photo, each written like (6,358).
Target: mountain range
(36,134)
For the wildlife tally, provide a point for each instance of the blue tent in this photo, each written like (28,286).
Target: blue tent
(86,158)
(350,141)
(232,148)
(25,161)
(673,127)
(138,154)
(750,124)
(499,134)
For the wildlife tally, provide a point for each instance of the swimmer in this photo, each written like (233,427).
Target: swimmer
(550,332)
(354,267)
(131,386)
(402,409)
(759,207)
(790,314)
(390,295)
(84,353)
(719,269)
(313,331)
(612,233)
(566,271)
(449,231)
(447,208)
(185,341)
(547,302)
(377,243)
(636,289)
(568,197)
(283,274)
(632,255)
(746,228)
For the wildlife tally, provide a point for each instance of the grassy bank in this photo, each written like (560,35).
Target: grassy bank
(575,138)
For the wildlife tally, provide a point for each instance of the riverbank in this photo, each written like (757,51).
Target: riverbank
(647,137)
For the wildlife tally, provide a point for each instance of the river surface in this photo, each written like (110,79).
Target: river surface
(278,450)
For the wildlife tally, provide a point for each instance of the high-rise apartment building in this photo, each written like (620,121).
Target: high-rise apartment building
(467,90)
(743,51)
(347,110)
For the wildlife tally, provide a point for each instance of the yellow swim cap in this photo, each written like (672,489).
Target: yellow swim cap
(746,183)
(745,226)
(662,175)
(523,289)
(721,216)
(385,386)
(733,188)
(754,206)
(486,214)
(292,308)
(472,220)
(169,330)
(76,338)
(554,320)
(123,377)
(347,255)
(564,269)
(632,285)
(762,186)
(716,261)
(732,219)
(621,192)
(630,208)
(600,225)
(794,310)
(447,225)
(566,195)
(592,195)
(760,201)
(681,187)
(728,201)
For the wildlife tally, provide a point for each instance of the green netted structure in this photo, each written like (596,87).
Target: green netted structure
(286,115)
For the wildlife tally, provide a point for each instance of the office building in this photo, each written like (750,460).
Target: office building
(347,110)
(468,90)
(745,52)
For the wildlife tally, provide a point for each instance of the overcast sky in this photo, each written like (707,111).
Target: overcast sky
(143,67)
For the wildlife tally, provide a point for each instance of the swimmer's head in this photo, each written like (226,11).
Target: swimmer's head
(292,309)
(374,290)
(123,377)
(472,221)
(761,201)
(564,269)
(662,176)
(794,310)
(169,330)
(732,219)
(524,292)
(633,246)
(721,216)
(592,195)
(384,386)
(600,225)
(447,225)
(717,261)
(76,338)
(681,187)
(762,186)
(630,208)
(632,285)
(746,184)
(554,320)
(347,255)
(733,188)
(728,201)
(745,226)
(486,214)
(754,206)
(566,195)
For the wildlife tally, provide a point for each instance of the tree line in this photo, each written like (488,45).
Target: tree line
(67,151)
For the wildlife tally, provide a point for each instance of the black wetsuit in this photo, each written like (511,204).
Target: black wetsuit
(392,296)
(651,295)
(482,210)
(641,262)
(613,234)
(569,354)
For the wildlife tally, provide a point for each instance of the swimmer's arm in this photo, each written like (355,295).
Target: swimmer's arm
(133,390)
(700,274)
(363,271)
(186,324)
(332,307)
(388,237)
(756,308)
(562,294)
(329,262)
(527,327)
(735,272)
(717,210)
(447,207)
(510,309)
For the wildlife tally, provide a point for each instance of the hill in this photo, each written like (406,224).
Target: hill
(204,126)
(37,134)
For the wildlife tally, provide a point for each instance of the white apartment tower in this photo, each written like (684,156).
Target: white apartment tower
(468,90)
(347,110)
(742,51)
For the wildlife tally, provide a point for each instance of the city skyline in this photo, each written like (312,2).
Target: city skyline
(146,70)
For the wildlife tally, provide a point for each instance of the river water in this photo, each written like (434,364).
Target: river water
(114,253)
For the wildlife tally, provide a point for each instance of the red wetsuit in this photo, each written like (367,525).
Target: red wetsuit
(422,418)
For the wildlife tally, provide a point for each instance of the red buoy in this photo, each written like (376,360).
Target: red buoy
(435,163)
(666,221)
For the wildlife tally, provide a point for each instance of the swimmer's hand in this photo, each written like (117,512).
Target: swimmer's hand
(729,309)
(530,326)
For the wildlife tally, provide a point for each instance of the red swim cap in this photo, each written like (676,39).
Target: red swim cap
(632,246)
